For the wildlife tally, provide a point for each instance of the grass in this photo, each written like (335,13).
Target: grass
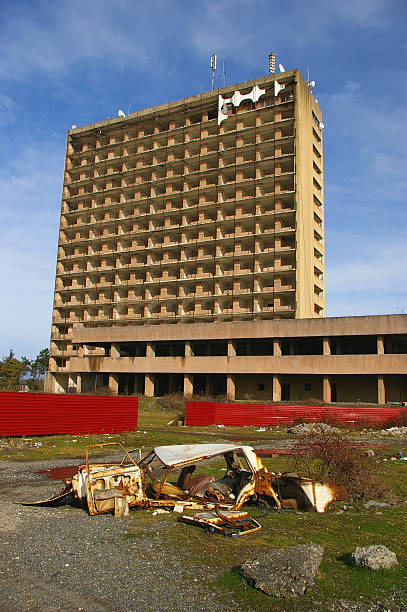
(339,534)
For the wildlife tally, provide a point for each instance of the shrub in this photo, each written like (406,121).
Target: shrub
(397,421)
(329,457)
(173,402)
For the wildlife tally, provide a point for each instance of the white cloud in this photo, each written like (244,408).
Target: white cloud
(371,280)
(373,128)
(30,194)
(7,109)
(52,40)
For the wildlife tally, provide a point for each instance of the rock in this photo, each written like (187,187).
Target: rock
(374,504)
(395,431)
(311,428)
(287,572)
(374,557)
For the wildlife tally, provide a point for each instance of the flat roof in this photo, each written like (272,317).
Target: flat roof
(191,100)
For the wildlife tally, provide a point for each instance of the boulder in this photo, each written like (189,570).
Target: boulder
(374,557)
(287,572)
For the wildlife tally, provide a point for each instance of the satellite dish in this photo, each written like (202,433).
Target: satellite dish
(281,68)
(321,126)
(312,84)
(120,113)
(73,127)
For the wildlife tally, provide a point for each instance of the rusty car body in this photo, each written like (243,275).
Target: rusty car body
(232,476)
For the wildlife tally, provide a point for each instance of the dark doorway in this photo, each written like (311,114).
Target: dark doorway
(199,384)
(126,384)
(334,393)
(218,384)
(285,392)
(177,383)
(162,384)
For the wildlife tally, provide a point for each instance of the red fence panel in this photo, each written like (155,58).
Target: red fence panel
(234,414)
(200,413)
(46,413)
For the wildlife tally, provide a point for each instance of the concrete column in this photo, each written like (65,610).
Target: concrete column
(149,385)
(188,384)
(381,390)
(78,383)
(49,382)
(277,347)
(188,349)
(231,348)
(150,352)
(114,383)
(114,351)
(326,387)
(231,386)
(380,345)
(276,388)
(327,346)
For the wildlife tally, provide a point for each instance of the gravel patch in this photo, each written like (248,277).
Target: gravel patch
(63,559)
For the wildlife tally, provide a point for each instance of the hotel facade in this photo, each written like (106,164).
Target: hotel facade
(191,257)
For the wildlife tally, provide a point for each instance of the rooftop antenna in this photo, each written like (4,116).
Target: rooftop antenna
(224,73)
(213,66)
(310,84)
(272,63)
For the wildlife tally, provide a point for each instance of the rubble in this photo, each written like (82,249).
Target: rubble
(374,557)
(312,428)
(395,431)
(285,572)
(375,504)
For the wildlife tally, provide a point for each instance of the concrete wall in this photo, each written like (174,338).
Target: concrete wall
(305,105)
(332,326)
(290,364)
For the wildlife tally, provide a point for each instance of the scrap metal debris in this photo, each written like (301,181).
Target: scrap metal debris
(229,476)
(232,523)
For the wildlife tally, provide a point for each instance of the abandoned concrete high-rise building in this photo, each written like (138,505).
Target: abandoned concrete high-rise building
(190,234)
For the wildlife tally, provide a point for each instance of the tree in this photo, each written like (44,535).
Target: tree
(13,371)
(38,367)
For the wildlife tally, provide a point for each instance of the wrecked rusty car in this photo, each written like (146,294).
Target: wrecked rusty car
(190,476)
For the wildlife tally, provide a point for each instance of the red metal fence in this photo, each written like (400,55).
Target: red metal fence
(46,413)
(213,413)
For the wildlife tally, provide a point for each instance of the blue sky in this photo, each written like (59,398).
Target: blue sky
(77,62)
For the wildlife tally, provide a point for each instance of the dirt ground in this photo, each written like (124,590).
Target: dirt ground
(62,559)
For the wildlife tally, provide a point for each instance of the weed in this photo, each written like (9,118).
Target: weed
(330,457)
(173,402)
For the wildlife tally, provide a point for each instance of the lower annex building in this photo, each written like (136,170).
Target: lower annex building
(191,257)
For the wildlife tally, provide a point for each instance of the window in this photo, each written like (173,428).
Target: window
(266,101)
(315,119)
(307,387)
(261,387)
